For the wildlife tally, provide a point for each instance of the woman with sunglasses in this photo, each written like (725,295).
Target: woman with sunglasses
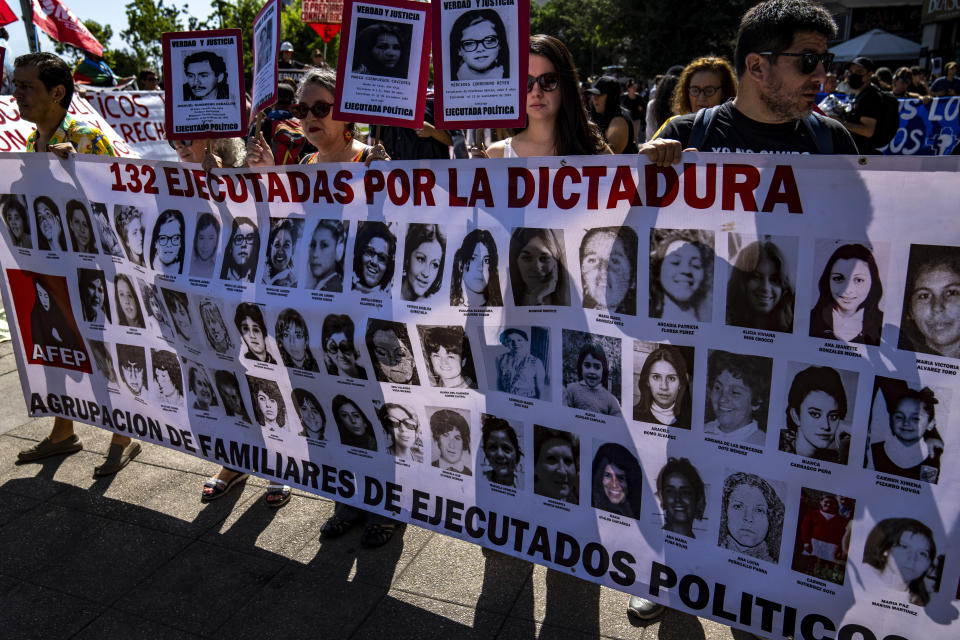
(335,141)
(705,82)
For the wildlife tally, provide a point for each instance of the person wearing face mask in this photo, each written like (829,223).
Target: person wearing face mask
(867,106)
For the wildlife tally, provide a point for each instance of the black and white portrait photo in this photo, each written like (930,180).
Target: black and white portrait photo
(280,269)
(849,293)
(450,431)
(328,244)
(157,317)
(167,377)
(167,246)
(502,456)
(266,43)
(109,242)
(402,428)
(382,48)
(265,49)
(761,291)
(682,495)
(206,238)
(592,372)
(662,378)
(424,249)
(479,48)
(340,353)
(50,235)
(248,319)
(129,311)
(132,361)
(556,464)
(931,301)
(538,268)
(901,555)
(476,272)
(904,439)
(82,238)
(103,361)
(178,304)
(293,340)
(608,269)
(823,534)
(14,211)
(388,344)
(616,480)
(205,77)
(214,328)
(819,412)
(311,414)
(751,516)
(355,428)
(129,222)
(242,252)
(202,396)
(374,256)
(681,275)
(229,389)
(737,396)
(269,410)
(94,305)
(521,366)
(446,350)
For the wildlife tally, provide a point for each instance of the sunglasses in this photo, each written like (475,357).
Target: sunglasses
(547,81)
(319,109)
(808,61)
(173,143)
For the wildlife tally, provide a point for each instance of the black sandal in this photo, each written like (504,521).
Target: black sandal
(334,527)
(378,534)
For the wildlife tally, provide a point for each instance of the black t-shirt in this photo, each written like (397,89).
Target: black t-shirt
(734,132)
(402,143)
(869,104)
(633,105)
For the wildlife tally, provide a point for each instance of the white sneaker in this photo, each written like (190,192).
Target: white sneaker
(643,608)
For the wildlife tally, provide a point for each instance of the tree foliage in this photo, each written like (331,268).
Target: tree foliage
(147,21)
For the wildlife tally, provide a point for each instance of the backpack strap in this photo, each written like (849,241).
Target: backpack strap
(702,127)
(822,138)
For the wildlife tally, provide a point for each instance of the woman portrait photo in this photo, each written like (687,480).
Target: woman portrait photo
(617,481)
(931,302)
(129,313)
(93,296)
(476,277)
(248,318)
(751,517)
(904,439)
(206,238)
(50,235)
(167,377)
(451,441)
(402,427)
(391,353)
(243,248)
(179,306)
(156,313)
(608,269)
(382,48)
(591,372)
(201,389)
(446,351)
(103,360)
(681,275)
(760,293)
(823,535)
(311,415)
(340,352)
(354,427)
(49,326)
(268,408)
(816,411)
(293,339)
(229,389)
(109,242)
(373,258)
(738,395)
(850,290)
(424,250)
(682,495)
(214,328)
(538,268)
(521,372)
(166,243)
(479,49)
(82,239)
(281,270)
(901,555)
(14,210)
(501,452)
(325,259)
(556,464)
(663,384)
(129,223)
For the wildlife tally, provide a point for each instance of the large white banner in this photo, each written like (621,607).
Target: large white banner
(137,116)
(729,386)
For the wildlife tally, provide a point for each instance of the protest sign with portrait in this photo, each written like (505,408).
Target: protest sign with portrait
(266,43)
(205,89)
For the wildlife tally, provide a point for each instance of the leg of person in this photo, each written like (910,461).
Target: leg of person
(344,516)
(644,609)
(220,484)
(62,440)
(277,495)
(122,450)
(380,530)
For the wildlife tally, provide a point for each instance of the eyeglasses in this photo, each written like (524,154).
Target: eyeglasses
(489,42)
(239,240)
(320,109)
(344,347)
(173,240)
(706,91)
(808,60)
(173,143)
(548,81)
(408,424)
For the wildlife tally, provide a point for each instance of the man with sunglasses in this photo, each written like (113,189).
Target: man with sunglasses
(781,59)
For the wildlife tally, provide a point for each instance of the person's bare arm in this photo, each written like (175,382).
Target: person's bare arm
(493,151)
(430,131)
(618,134)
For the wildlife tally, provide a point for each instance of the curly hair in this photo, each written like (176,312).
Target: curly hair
(167,361)
(753,371)
(366,232)
(447,420)
(775,515)
(711,64)
(272,391)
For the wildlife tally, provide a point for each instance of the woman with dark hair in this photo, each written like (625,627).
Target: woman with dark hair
(403,428)
(93,295)
(128,307)
(664,388)
(557,122)
(682,495)
(501,450)
(311,414)
(681,275)
(48,323)
(167,377)
(590,391)
(614,121)
(49,227)
(608,269)
(248,319)
(816,406)
(556,464)
(18,223)
(205,241)
(325,261)
(538,268)
(293,338)
(660,107)
(751,517)
(373,258)
(760,294)
(931,308)
(476,277)
(179,305)
(81,231)
(738,389)
(391,352)
(479,47)
(424,250)
(451,435)
(448,357)
(617,481)
(339,348)
(243,247)
(214,328)
(166,243)
(381,50)
(901,552)
(705,82)
(129,221)
(281,242)
(268,408)
(849,305)
(355,428)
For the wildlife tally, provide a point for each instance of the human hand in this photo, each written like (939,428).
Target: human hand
(426,131)
(477,152)
(663,152)
(62,150)
(259,153)
(376,153)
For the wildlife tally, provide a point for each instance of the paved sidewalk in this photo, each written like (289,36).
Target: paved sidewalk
(139,556)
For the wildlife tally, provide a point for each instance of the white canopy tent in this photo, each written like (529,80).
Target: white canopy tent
(877,45)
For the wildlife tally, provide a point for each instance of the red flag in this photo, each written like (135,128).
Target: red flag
(6,14)
(324,30)
(58,22)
